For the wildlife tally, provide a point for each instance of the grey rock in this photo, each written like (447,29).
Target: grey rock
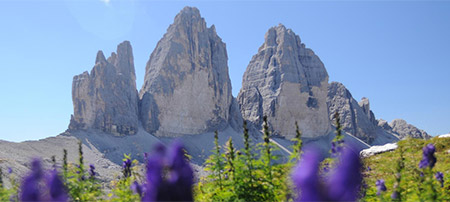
(18,156)
(404,129)
(187,89)
(286,82)
(356,118)
(107,98)
(365,105)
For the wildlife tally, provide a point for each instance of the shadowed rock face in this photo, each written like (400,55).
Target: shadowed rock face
(356,118)
(288,83)
(107,98)
(186,88)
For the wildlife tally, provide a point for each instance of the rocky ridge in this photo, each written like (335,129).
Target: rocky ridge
(355,118)
(403,129)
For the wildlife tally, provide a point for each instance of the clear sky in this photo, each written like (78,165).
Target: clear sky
(395,53)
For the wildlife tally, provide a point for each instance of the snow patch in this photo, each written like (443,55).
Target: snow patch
(443,136)
(378,149)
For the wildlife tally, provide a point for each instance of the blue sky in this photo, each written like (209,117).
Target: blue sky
(395,53)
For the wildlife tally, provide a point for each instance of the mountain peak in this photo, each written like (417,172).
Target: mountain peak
(100,57)
(188,16)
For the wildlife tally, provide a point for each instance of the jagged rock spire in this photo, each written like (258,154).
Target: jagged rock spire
(288,83)
(107,99)
(187,89)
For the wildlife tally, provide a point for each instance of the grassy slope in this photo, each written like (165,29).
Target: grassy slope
(383,167)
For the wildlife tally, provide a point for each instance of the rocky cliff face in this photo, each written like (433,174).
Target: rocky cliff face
(403,129)
(107,98)
(356,118)
(287,82)
(187,89)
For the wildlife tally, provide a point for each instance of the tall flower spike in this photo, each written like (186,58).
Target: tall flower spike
(30,184)
(126,166)
(305,177)
(440,177)
(154,174)
(92,172)
(345,181)
(380,186)
(181,174)
(428,158)
(57,191)
(136,188)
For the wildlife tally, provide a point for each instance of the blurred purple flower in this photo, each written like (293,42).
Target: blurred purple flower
(380,186)
(394,195)
(369,168)
(181,174)
(33,190)
(440,177)
(30,184)
(154,178)
(177,186)
(57,191)
(345,181)
(92,172)
(9,170)
(306,179)
(428,158)
(343,184)
(136,188)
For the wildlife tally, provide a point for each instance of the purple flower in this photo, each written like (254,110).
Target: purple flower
(32,188)
(177,186)
(428,158)
(30,184)
(369,168)
(380,186)
(394,195)
(181,174)
(440,177)
(136,188)
(126,165)
(345,181)
(334,148)
(343,184)
(306,179)
(9,170)
(92,172)
(57,191)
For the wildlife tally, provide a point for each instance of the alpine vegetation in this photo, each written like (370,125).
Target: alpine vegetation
(413,172)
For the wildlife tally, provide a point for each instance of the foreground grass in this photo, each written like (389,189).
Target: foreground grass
(413,186)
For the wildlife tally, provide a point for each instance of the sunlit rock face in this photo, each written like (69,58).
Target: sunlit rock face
(286,82)
(106,98)
(187,89)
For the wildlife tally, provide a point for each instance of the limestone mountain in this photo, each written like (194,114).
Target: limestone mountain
(187,89)
(403,129)
(286,82)
(356,118)
(107,99)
